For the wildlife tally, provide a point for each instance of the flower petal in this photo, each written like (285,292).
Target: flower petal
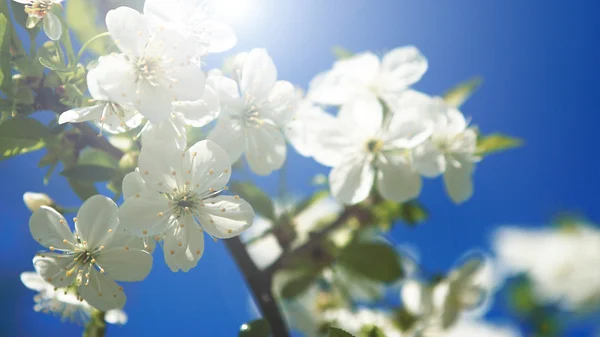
(402,67)
(115,76)
(50,229)
(119,118)
(209,165)
(365,114)
(133,184)
(183,245)
(428,160)
(415,297)
(396,180)
(102,292)
(125,264)
(34,281)
(334,142)
(190,83)
(363,67)
(281,103)
(51,267)
(258,74)
(201,112)
(352,180)
(129,29)
(116,316)
(265,149)
(302,132)
(96,219)
(222,36)
(153,102)
(146,214)
(52,27)
(230,136)
(161,166)
(226,216)
(457,179)
(170,132)
(77,115)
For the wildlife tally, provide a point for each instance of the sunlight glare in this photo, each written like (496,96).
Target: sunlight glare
(234,10)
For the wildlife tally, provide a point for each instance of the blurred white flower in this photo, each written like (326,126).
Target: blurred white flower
(41,10)
(195,18)
(34,201)
(255,108)
(154,68)
(449,151)
(359,323)
(93,257)
(474,328)
(361,146)
(109,115)
(174,195)
(559,262)
(63,302)
(364,75)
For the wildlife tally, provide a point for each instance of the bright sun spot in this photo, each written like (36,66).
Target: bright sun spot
(232,10)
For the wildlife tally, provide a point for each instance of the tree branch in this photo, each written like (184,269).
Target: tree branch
(92,139)
(259,283)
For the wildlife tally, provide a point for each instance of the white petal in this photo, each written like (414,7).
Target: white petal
(457,179)
(49,228)
(281,103)
(34,281)
(222,37)
(190,83)
(362,67)
(125,264)
(201,112)
(51,267)
(264,251)
(402,67)
(116,78)
(210,166)
(164,12)
(129,30)
(77,115)
(365,113)
(170,132)
(329,88)
(258,74)
(146,215)
(414,297)
(102,292)
(52,27)
(226,89)
(119,118)
(396,180)
(116,316)
(153,102)
(183,245)
(265,149)
(157,163)
(405,133)
(352,180)
(133,184)
(95,218)
(230,136)
(334,141)
(303,131)
(428,160)
(226,216)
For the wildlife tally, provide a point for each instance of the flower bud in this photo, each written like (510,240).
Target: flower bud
(33,200)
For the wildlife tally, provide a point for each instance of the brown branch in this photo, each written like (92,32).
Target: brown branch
(92,139)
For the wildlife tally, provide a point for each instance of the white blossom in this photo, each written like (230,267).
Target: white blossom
(92,258)
(360,323)
(365,75)
(363,147)
(41,10)
(302,132)
(154,68)
(450,150)
(34,201)
(254,110)
(109,115)
(194,18)
(174,195)
(476,328)
(64,302)
(559,262)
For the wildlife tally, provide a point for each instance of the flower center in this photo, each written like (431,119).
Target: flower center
(185,203)
(148,69)
(374,145)
(38,8)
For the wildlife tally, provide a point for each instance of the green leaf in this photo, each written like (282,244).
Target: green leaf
(496,142)
(337,332)
(81,16)
(341,53)
(298,284)
(259,200)
(456,96)
(387,212)
(256,328)
(97,157)
(89,173)
(21,135)
(413,212)
(375,261)
(84,190)
(4,51)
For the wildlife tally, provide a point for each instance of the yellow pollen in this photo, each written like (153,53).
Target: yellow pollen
(180,244)
(181,225)
(161,213)
(49,279)
(229,231)
(236,197)
(62,222)
(211,190)
(172,252)
(126,247)
(222,209)
(157,238)
(52,248)
(144,232)
(65,241)
(198,251)
(211,172)
(101,247)
(74,219)
(137,195)
(174,173)
(146,172)
(226,170)
(110,230)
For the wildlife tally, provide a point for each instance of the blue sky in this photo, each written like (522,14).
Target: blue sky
(539,61)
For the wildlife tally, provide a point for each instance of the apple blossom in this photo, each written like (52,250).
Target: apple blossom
(174,195)
(34,201)
(41,10)
(254,110)
(92,258)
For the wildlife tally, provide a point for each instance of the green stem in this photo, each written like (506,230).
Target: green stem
(87,45)
(96,326)
(59,53)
